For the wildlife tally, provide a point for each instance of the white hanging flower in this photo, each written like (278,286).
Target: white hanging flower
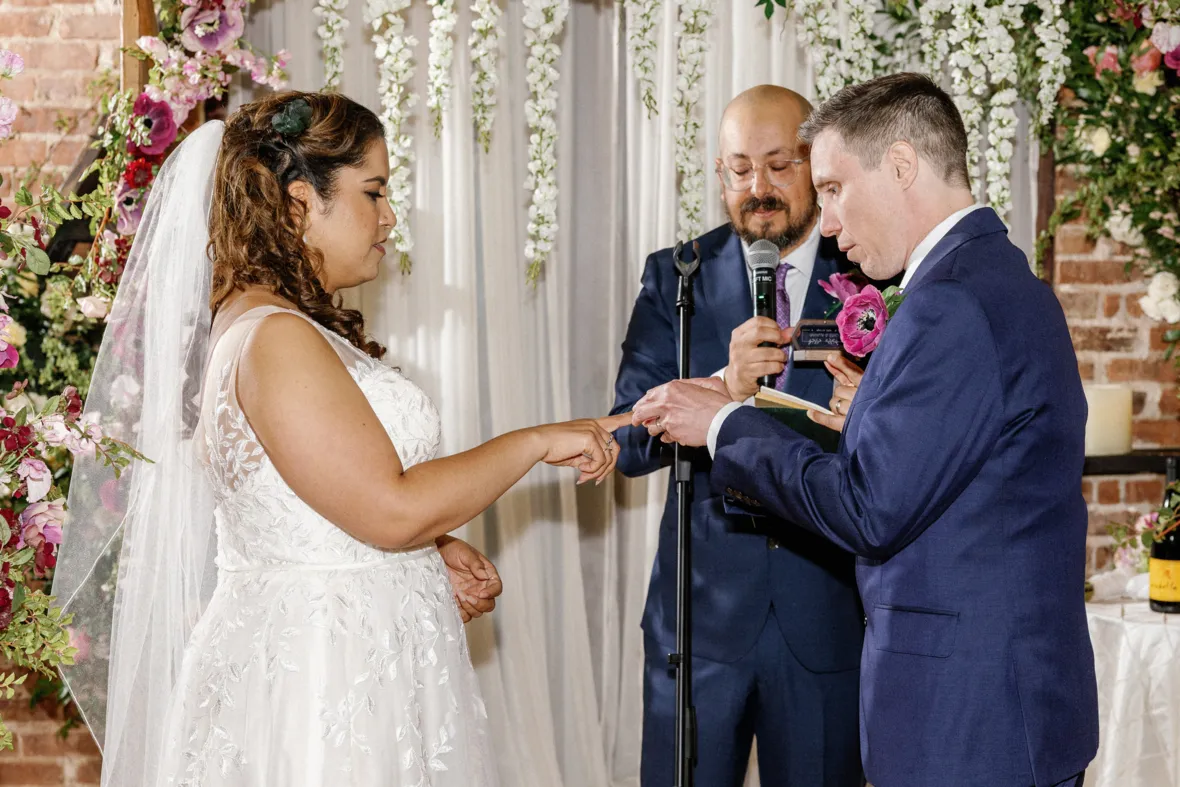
(396,68)
(642,18)
(442,53)
(998,22)
(857,51)
(695,16)
(331,33)
(819,33)
(1053,32)
(969,86)
(543,21)
(933,33)
(484,42)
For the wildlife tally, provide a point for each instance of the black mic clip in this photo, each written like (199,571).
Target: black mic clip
(687,269)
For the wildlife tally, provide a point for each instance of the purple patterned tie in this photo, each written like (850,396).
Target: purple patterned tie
(782,312)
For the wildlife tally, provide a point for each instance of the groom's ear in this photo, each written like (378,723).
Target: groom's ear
(902,160)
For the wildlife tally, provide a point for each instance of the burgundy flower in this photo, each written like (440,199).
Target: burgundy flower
(4,212)
(73,403)
(862,321)
(210,27)
(138,174)
(129,204)
(157,117)
(1127,12)
(15,538)
(840,286)
(1172,59)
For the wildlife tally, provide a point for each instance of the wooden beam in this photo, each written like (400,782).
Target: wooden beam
(139,19)
(1046,204)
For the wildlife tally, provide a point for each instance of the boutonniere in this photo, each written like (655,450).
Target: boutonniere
(862,311)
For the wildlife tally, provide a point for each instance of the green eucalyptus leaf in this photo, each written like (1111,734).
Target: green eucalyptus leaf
(38,261)
(23,198)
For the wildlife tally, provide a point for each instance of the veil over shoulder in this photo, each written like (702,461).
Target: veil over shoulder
(136,567)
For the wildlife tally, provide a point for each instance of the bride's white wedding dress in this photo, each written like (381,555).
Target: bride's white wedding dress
(320,660)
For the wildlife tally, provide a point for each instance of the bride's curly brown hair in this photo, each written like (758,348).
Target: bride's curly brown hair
(256,227)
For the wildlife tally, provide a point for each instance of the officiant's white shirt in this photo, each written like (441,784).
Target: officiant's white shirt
(920,252)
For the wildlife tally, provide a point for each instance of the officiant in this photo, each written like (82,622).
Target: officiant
(777,627)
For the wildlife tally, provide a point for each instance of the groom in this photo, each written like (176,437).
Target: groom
(957,483)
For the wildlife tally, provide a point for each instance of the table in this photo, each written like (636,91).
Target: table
(1137,660)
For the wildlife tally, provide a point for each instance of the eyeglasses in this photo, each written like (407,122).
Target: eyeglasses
(779,174)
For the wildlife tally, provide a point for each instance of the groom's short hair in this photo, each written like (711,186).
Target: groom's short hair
(873,115)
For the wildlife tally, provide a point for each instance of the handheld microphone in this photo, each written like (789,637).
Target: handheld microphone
(763,260)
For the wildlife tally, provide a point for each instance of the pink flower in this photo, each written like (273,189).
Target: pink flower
(37,478)
(840,286)
(156,116)
(1109,61)
(11,64)
(1172,59)
(129,205)
(52,429)
(9,357)
(1127,12)
(108,494)
(1147,60)
(94,307)
(7,117)
(210,28)
(81,640)
(1147,522)
(41,523)
(862,321)
(1165,37)
(153,46)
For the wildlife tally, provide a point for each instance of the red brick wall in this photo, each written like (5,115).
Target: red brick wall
(1116,343)
(66,44)
(40,756)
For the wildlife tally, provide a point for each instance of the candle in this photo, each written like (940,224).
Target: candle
(1108,425)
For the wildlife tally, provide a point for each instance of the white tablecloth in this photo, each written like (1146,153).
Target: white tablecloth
(1137,660)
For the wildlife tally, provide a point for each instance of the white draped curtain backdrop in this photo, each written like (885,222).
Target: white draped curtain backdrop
(560,660)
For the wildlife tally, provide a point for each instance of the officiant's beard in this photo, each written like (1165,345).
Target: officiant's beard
(750,229)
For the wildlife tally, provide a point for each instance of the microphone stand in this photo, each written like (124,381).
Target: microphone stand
(681,660)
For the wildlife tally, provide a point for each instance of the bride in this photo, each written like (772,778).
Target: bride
(323,644)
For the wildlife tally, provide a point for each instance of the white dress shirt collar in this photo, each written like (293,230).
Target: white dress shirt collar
(802,258)
(923,249)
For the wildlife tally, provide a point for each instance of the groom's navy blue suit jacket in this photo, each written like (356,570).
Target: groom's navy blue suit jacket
(958,486)
(735,576)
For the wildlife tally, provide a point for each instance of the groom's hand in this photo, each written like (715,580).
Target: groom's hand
(749,361)
(681,411)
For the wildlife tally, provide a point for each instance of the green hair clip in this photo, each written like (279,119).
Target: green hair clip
(293,119)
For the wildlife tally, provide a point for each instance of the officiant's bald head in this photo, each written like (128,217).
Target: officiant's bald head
(762,167)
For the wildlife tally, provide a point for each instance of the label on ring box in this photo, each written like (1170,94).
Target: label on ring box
(815,339)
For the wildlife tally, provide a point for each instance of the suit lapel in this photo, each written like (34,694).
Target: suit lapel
(725,285)
(812,381)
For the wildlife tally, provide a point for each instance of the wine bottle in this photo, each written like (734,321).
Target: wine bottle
(1165,552)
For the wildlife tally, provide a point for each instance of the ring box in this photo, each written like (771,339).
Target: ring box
(815,339)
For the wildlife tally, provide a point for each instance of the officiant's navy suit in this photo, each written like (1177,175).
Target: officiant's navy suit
(777,629)
(958,486)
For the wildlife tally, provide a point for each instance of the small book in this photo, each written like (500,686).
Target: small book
(769,397)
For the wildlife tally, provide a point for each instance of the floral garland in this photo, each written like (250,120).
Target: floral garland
(1117,130)
(442,53)
(969,78)
(857,50)
(484,42)
(1052,34)
(642,20)
(331,33)
(693,23)
(543,21)
(393,50)
(819,33)
(38,434)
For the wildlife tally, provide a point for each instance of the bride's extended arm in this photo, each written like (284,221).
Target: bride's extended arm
(325,440)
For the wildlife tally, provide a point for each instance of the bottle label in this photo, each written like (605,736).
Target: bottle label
(1165,579)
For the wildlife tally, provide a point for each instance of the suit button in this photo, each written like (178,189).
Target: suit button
(772,543)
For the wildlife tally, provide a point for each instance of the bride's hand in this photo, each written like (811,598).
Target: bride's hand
(586,444)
